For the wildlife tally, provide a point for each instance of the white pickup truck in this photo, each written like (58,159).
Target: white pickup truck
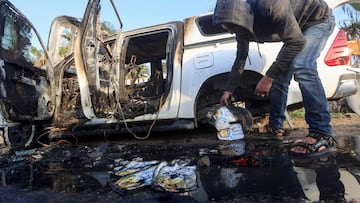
(156,78)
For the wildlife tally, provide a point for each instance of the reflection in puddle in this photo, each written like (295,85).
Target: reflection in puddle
(251,171)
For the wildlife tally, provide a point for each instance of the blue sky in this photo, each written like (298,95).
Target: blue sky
(134,13)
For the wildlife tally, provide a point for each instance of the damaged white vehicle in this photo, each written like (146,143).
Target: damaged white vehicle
(157,78)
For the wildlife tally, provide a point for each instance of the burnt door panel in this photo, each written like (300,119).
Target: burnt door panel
(19,95)
(23,77)
(94,63)
(144,73)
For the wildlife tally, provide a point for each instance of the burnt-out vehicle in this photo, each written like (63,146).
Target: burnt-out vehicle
(157,78)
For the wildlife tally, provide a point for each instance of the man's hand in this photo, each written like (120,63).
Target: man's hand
(226,98)
(263,87)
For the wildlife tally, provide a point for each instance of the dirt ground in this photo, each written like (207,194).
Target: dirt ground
(69,174)
(343,124)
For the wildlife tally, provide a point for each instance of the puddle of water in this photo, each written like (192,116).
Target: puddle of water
(249,171)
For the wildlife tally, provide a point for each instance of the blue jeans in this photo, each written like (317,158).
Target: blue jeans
(304,70)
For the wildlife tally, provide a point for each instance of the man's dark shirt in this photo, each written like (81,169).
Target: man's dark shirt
(278,20)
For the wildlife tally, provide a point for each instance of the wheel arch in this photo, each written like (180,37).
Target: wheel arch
(212,89)
(209,95)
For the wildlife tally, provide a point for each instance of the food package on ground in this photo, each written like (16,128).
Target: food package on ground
(135,180)
(175,177)
(133,175)
(133,167)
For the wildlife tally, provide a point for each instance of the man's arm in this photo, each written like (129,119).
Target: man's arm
(290,34)
(239,63)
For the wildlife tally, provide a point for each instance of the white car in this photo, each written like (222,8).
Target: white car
(156,78)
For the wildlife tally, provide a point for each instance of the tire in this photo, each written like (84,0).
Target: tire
(244,116)
(20,137)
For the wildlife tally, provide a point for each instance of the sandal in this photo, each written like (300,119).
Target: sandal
(324,161)
(313,150)
(271,132)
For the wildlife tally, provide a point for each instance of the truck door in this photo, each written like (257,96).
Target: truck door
(149,69)
(127,74)
(94,63)
(25,80)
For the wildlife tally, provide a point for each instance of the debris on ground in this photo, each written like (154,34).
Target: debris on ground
(174,176)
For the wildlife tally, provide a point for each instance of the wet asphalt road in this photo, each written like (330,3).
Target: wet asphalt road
(195,167)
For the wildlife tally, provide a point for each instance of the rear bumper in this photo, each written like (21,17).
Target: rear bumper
(353,101)
(347,86)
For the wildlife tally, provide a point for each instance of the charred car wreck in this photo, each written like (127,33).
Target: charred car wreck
(161,77)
